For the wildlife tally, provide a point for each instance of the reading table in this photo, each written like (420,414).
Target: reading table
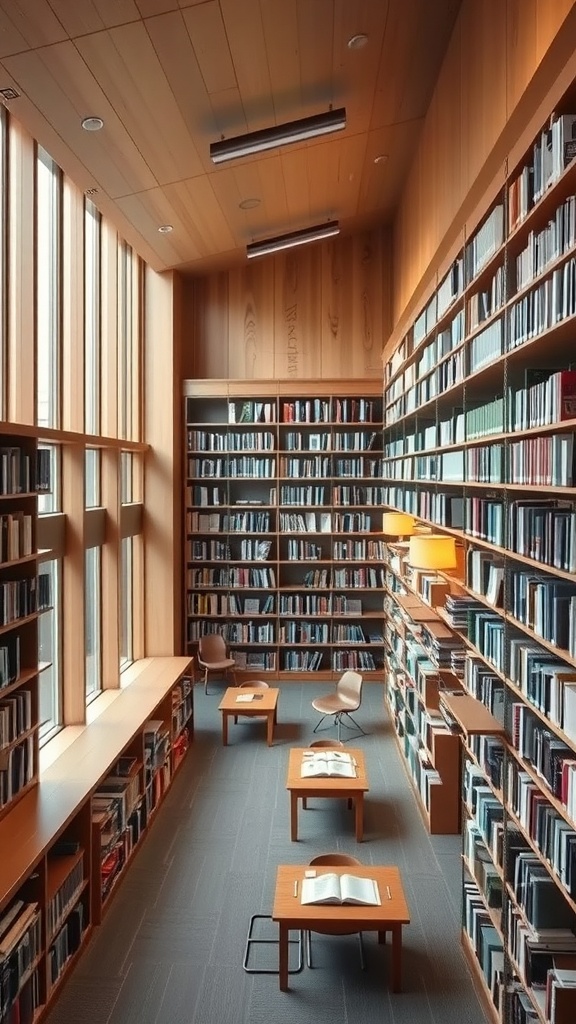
(262,704)
(389,916)
(335,787)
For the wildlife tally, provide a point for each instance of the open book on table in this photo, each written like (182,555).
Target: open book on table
(328,763)
(332,888)
(246,698)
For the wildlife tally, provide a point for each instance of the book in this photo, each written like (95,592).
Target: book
(328,764)
(339,889)
(246,698)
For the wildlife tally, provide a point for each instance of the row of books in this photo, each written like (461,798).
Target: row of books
(487,239)
(485,302)
(232,578)
(550,302)
(17,471)
(15,716)
(227,604)
(547,606)
(68,890)
(20,947)
(226,441)
(234,467)
(553,150)
(15,536)
(547,245)
(235,522)
(66,942)
(17,768)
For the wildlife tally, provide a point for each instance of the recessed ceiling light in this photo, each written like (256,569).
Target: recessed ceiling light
(92,124)
(381,158)
(9,94)
(249,204)
(165,229)
(358,41)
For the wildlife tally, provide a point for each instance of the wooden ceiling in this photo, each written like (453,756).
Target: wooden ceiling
(169,77)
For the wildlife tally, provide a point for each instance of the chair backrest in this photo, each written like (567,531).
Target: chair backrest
(327,743)
(336,859)
(256,684)
(211,647)
(349,689)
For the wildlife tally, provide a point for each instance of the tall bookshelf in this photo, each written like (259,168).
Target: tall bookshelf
(283,502)
(24,594)
(480,425)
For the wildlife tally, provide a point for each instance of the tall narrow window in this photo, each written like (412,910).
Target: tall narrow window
(49,638)
(3,262)
(126,602)
(125,339)
(93,620)
(48,287)
(92,496)
(92,317)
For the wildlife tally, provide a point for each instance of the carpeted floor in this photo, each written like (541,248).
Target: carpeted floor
(171,946)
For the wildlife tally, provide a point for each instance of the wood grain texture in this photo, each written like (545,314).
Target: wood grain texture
(317,312)
(500,62)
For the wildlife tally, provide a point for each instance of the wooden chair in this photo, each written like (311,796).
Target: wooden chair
(213,657)
(334,860)
(253,684)
(346,698)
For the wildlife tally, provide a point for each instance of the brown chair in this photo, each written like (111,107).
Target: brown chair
(326,744)
(334,860)
(346,698)
(253,684)
(213,657)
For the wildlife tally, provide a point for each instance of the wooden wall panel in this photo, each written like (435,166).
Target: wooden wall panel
(489,72)
(250,321)
(297,305)
(322,311)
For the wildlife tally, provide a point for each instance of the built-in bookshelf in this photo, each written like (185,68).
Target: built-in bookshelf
(24,595)
(283,496)
(79,828)
(480,424)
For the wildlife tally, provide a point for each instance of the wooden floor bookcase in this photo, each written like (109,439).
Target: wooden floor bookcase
(283,500)
(479,442)
(67,842)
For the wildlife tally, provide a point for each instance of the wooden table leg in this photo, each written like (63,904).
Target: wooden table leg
(359,801)
(270,727)
(224,729)
(382,938)
(283,957)
(397,958)
(293,817)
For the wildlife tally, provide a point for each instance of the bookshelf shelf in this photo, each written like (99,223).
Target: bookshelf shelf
(51,893)
(487,454)
(318,535)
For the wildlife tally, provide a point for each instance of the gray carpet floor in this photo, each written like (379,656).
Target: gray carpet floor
(171,945)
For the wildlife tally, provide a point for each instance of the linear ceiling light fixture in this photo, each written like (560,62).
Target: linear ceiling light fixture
(267,245)
(278,135)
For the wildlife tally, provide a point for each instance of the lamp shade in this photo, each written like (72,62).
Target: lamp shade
(397,524)
(432,551)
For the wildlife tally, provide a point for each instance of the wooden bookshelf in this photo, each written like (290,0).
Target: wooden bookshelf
(479,442)
(52,885)
(282,515)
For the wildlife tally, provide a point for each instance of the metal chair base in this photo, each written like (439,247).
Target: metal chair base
(251,941)
(339,717)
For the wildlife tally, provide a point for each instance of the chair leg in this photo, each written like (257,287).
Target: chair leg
(316,727)
(304,803)
(354,723)
(205,680)
(309,949)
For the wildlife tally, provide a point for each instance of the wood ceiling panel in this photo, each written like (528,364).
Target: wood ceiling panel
(247,46)
(174,49)
(414,42)
(26,25)
(147,212)
(171,76)
(335,173)
(356,70)
(315,37)
(61,87)
(208,37)
(198,209)
(93,15)
(128,69)
(280,24)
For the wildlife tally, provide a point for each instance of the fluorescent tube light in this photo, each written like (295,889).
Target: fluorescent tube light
(314,234)
(278,135)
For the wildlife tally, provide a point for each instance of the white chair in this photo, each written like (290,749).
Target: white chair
(346,698)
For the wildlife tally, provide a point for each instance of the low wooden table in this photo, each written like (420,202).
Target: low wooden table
(341,789)
(264,707)
(388,917)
